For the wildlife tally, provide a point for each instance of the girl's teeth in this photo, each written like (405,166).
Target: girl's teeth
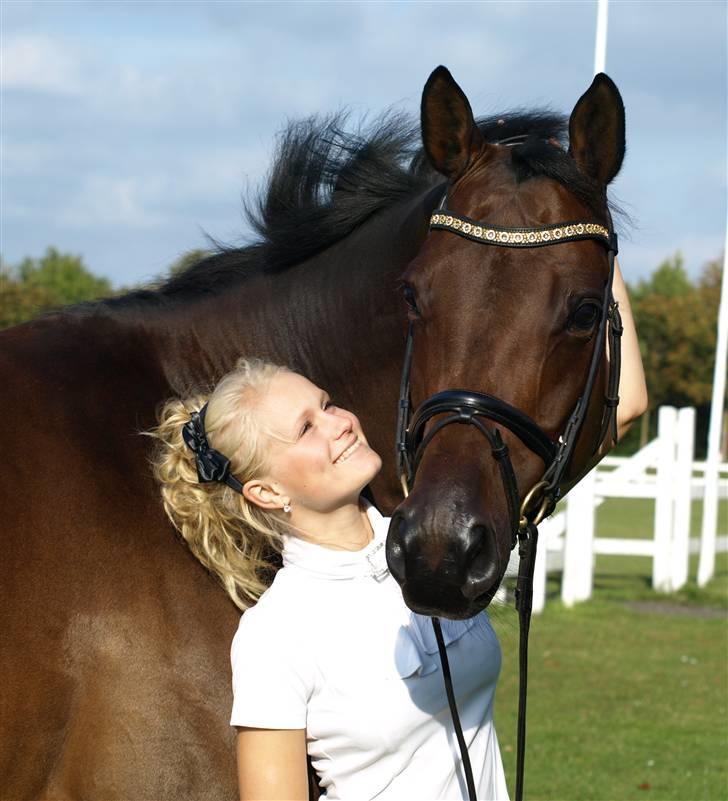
(347,453)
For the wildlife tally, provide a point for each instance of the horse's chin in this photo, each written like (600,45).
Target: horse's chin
(449,605)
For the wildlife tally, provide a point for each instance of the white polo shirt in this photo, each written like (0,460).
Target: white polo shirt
(331,647)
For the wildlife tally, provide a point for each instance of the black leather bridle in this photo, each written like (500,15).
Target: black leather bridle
(467,406)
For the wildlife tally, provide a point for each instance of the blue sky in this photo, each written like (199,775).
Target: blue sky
(129,129)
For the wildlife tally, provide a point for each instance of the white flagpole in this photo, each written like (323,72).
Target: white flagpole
(706,565)
(600,50)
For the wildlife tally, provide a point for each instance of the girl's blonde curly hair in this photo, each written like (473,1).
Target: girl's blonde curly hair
(232,537)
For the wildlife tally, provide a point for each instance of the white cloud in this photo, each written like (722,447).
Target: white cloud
(38,63)
(24,158)
(136,88)
(128,201)
(718,171)
(222,172)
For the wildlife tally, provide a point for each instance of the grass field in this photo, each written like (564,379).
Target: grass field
(628,692)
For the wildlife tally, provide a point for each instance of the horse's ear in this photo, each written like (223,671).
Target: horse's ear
(449,132)
(596,130)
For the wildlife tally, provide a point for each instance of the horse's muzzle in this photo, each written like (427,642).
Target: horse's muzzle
(453,576)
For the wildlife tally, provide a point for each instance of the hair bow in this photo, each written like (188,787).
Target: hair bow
(211,464)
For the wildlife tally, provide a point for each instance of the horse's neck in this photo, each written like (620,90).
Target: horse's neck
(321,317)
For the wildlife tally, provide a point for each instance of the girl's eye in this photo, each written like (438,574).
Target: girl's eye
(327,405)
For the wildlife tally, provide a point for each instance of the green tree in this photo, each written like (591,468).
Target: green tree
(19,303)
(676,321)
(177,267)
(65,275)
(36,285)
(669,280)
(185,261)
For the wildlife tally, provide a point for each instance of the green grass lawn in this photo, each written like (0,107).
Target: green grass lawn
(627,699)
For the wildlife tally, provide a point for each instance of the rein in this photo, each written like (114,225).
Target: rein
(467,406)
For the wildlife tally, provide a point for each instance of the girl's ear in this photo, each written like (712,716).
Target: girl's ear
(263,494)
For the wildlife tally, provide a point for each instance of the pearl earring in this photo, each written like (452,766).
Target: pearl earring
(286,508)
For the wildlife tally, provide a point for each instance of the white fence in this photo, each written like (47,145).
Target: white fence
(663,472)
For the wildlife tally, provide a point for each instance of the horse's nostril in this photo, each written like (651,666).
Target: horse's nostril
(394,550)
(483,569)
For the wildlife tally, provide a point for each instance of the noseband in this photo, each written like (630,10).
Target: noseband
(468,406)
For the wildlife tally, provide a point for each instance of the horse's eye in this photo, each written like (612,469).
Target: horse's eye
(410,298)
(585,317)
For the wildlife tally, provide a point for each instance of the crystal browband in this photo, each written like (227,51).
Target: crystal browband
(519,237)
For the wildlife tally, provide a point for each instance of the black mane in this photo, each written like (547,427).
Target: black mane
(326,181)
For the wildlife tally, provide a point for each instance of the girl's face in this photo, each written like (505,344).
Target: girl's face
(317,455)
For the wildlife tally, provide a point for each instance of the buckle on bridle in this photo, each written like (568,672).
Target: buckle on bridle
(536,505)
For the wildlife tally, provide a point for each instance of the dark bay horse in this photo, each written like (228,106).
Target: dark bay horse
(114,660)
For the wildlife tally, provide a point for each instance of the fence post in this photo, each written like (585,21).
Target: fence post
(706,565)
(682,495)
(661,563)
(709,528)
(578,576)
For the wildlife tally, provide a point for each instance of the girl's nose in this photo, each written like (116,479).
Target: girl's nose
(341,424)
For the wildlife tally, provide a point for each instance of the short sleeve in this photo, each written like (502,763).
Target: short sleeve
(271,676)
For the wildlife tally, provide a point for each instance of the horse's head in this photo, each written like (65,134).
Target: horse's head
(516,328)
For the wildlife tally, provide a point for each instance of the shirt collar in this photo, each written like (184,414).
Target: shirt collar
(333,564)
